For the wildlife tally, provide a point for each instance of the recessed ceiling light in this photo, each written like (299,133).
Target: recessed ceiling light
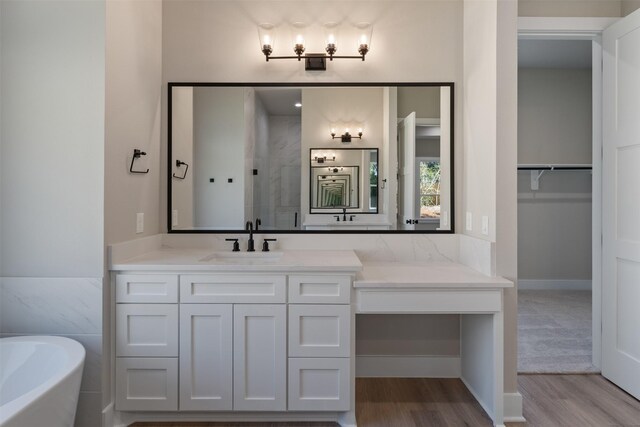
(298,104)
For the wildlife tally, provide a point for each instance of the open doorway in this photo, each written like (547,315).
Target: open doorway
(555,206)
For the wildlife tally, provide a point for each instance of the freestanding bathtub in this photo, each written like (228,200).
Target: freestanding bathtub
(39,381)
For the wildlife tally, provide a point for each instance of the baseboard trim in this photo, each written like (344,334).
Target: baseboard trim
(371,366)
(559,285)
(513,408)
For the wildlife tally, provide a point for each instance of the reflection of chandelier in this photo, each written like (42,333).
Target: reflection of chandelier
(315,61)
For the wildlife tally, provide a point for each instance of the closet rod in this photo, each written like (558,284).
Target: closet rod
(563,167)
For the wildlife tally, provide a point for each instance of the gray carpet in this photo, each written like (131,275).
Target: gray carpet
(554,332)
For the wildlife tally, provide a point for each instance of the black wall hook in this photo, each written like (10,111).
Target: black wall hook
(184,175)
(136,155)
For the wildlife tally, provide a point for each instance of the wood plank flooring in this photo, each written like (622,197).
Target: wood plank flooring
(549,401)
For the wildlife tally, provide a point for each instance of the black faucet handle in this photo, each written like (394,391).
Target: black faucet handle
(236,245)
(351,217)
(337,217)
(265,244)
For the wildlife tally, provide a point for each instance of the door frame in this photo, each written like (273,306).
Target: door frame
(584,29)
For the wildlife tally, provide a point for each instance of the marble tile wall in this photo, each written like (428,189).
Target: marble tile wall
(70,307)
(283,186)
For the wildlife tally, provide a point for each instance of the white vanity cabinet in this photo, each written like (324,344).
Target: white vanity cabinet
(245,341)
(319,343)
(146,341)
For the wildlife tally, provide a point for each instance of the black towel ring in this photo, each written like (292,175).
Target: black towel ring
(184,175)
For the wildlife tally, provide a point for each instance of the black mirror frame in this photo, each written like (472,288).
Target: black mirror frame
(171,85)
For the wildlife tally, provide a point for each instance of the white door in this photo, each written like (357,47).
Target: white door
(206,357)
(621,204)
(260,357)
(406,175)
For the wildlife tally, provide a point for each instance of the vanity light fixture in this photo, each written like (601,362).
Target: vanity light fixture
(315,61)
(346,136)
(324,158)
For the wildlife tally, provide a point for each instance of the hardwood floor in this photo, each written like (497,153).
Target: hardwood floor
(549,401)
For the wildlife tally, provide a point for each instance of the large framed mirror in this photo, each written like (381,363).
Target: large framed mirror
(311,157)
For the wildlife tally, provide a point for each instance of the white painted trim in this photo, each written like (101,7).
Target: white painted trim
(107,415)
(562,28)
(554,285)
(596,204)
(128,418)
(368,366)
(513,408)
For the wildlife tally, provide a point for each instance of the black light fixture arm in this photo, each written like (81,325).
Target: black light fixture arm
(314,56)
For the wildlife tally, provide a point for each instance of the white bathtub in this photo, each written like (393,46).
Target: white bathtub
(39,381)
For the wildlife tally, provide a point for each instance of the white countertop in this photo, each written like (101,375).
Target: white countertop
(212,260)
(425,275)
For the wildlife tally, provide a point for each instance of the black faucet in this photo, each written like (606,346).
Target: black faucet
(344,214)
(250,243)
(258,223)
(351,217)
(337,217)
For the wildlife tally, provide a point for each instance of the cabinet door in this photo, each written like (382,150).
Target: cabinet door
(147,330)
(319,330)
(146,384)
(319,384)
(206,357)
(260,357)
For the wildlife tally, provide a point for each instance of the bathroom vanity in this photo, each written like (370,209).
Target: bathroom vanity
(235,333)
(213,335)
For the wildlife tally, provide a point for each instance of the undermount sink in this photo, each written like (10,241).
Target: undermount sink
(243,257)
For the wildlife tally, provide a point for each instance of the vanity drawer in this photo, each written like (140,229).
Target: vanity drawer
(322,384)
(319,330)
(147,288)
(232,288)
(146,384)
(317,289)
(147,330)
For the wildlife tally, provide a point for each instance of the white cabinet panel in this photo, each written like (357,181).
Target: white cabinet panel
(146,384)
(319,384)
(319,330)
(236,288)
(318,289)
(147,330)
(206,360)
(147,288)
(260,359)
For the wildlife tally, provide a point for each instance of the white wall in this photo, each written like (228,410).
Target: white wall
(219,140)
(566,8)
(52,138)
(52,121)
(554,116)
(133,85)
(554,222)
(182,149)
(490,152)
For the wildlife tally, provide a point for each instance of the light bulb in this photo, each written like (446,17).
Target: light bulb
(359,130)
(363,39)
(299,39)
(346,130)
(331,39)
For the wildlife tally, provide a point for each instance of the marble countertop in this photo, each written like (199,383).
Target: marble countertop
(212,260)
(425,275)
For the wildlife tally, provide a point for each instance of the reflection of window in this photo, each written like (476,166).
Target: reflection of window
(373,182)
(429,187)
